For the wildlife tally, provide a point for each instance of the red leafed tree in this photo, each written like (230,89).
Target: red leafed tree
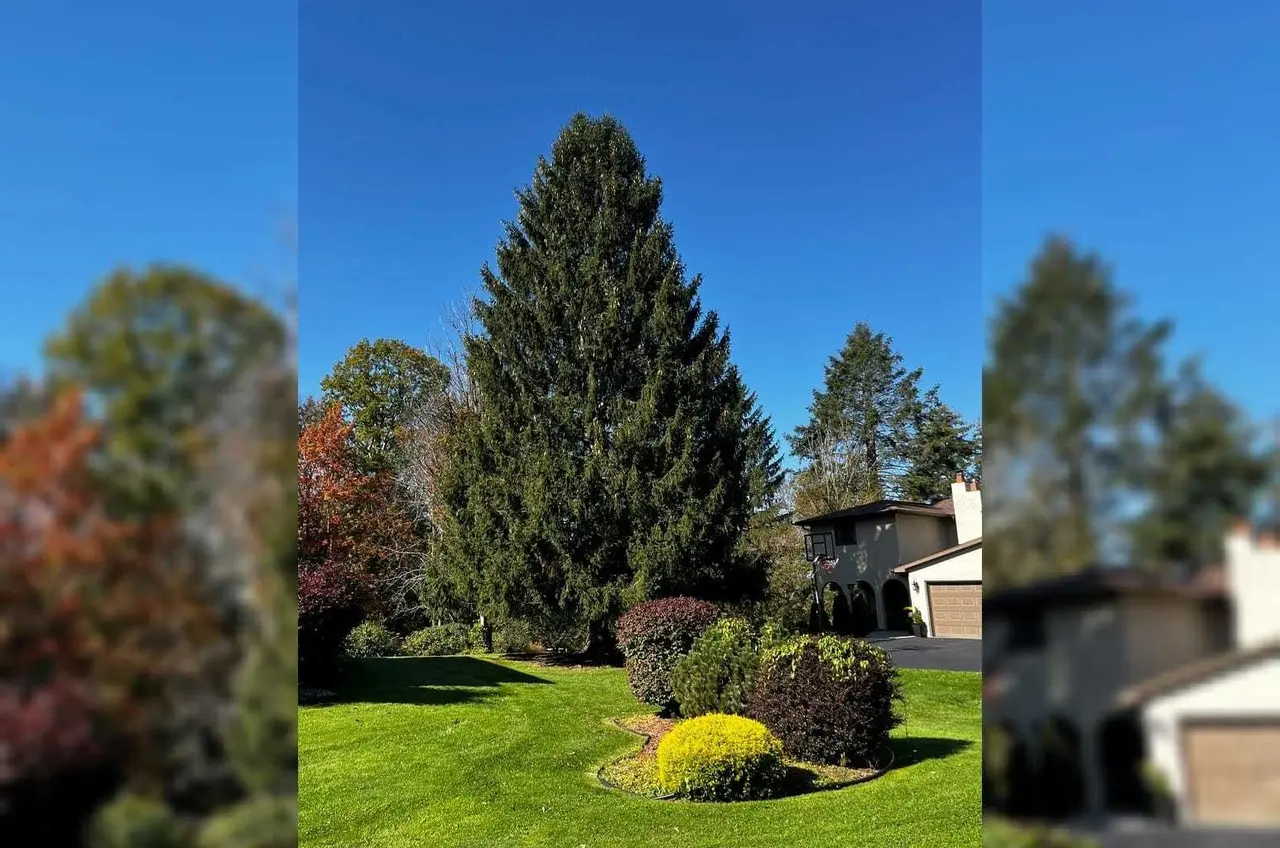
(101,627)
(350,532)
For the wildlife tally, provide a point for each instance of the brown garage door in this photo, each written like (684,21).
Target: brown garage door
(1233,772)
(956,610)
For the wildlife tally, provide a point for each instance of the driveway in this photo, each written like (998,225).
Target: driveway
(940,654)
(1166,838)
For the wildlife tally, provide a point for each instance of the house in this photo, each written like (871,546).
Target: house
(887,556)
(1113,684)
(1212,729)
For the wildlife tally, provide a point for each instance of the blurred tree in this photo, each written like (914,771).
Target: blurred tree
(1204,470)
(155,351)
(1072,383)
(21,400)
(100,616)
(1098,454)
(381,384)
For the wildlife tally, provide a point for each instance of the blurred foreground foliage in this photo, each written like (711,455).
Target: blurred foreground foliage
(148,642)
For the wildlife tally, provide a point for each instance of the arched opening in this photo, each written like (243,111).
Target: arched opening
(897,599)
(1008,778)
(863,608)
(1122,750)
(1061,769)
(835,604)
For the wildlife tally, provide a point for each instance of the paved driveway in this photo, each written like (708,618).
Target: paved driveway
(1165,838)
(941,654)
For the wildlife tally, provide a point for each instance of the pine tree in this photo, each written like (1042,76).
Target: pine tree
(607,463)
(942,445)
(871,434)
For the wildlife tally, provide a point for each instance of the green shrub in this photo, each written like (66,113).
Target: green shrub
(512,637)
(830,699)
(370,639)
(654,636)
(475,637)
(136,821)
(720,758)
(439,641)
(717,673)
(998,833)
(269,822)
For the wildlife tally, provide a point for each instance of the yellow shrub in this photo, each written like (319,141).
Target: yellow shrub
(719,757)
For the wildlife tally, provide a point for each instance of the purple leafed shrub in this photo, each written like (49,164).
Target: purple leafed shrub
(830,699)
(654,636)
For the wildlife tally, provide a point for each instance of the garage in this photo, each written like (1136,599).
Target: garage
(1231,772)
(956,610)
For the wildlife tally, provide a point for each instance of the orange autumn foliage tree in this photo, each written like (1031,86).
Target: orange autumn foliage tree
(351,533)
(103,631)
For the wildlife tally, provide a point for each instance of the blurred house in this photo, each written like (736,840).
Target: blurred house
(1107,690)
(892,555)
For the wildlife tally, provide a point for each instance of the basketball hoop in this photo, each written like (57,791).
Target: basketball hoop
(826,563)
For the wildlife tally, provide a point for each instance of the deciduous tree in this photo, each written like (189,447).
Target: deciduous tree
(155,350)
(381,384)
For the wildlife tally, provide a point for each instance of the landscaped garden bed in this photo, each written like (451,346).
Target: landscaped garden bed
(637,772)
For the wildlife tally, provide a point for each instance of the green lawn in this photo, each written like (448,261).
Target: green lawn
(464,751)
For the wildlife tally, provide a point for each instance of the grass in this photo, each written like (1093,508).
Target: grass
(464,751)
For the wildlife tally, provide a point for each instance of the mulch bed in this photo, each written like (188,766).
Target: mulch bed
(653,728)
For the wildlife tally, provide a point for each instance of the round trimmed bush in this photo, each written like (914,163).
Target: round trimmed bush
(440,641)
(370,639)
(653,636)
(717,673)
(830,699)
(720,757)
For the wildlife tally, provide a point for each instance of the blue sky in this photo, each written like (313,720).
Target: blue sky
(878,164)
(1149,134)
(138,131)
(820,169)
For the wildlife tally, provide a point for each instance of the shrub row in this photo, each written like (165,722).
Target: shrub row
(373,639)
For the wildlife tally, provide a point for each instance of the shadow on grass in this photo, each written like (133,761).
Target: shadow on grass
(910,750)
(426,681)
(570,660)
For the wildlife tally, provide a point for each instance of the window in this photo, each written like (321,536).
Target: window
(846,534)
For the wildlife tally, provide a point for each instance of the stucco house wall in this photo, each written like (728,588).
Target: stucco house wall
(921,535)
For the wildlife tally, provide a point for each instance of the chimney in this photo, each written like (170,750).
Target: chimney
(967,501)
(1253,581)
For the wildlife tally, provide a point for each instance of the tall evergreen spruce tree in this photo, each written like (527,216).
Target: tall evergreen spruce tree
(873,434)
(608,463)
